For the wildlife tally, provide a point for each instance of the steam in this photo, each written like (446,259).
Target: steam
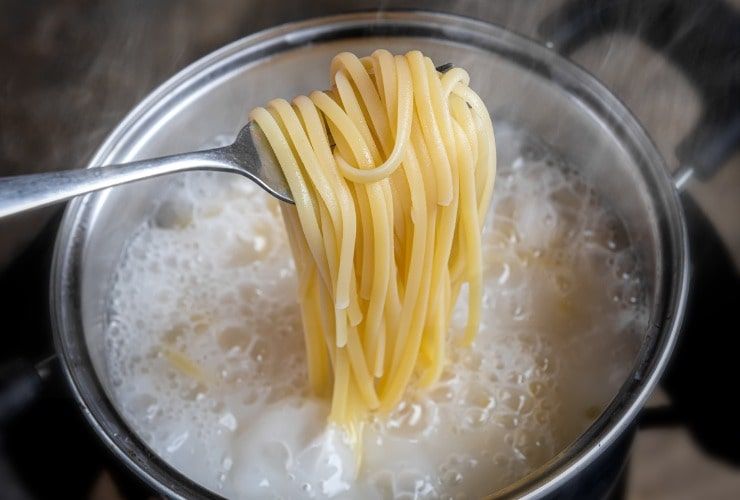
(72,70)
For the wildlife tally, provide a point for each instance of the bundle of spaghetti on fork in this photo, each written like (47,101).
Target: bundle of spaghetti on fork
(392,171)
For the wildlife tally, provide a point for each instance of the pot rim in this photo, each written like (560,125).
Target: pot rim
(614,420)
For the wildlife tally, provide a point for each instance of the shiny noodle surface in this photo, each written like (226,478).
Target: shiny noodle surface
(392,171)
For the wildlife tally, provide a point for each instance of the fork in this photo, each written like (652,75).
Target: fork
(250,155)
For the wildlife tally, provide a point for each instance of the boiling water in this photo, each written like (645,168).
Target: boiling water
(206,361)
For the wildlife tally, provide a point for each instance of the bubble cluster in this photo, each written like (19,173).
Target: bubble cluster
(205,355)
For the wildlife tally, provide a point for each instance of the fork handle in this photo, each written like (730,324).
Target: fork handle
(26,192)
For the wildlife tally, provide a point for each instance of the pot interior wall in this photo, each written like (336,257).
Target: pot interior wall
(524,85)
(513,90)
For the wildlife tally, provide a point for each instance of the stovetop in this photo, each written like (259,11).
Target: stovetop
(48,448)
(74,70)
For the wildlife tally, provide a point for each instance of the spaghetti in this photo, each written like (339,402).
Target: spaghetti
(392,171)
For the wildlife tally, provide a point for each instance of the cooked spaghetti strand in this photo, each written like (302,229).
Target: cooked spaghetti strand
(392,171)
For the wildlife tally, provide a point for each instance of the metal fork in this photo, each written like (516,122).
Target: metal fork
(250,155)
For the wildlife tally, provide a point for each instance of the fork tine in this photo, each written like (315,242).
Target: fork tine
(254,157)
(257,160)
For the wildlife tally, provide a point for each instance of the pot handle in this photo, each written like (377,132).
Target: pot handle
(701,40)
(702,376)
(21,383)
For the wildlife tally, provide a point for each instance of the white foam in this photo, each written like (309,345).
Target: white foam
(210,277)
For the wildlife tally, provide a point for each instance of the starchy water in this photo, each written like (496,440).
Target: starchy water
(205,354)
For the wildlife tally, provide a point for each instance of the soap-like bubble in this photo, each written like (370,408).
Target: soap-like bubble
(205,355)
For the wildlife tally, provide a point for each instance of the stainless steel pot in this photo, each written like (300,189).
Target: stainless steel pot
(520,81)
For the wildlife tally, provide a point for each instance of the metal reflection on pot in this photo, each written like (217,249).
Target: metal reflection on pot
(521,82)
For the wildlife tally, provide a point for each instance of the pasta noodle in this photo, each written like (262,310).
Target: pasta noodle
(391,171)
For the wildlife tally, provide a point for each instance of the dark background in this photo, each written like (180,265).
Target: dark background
(71,69)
